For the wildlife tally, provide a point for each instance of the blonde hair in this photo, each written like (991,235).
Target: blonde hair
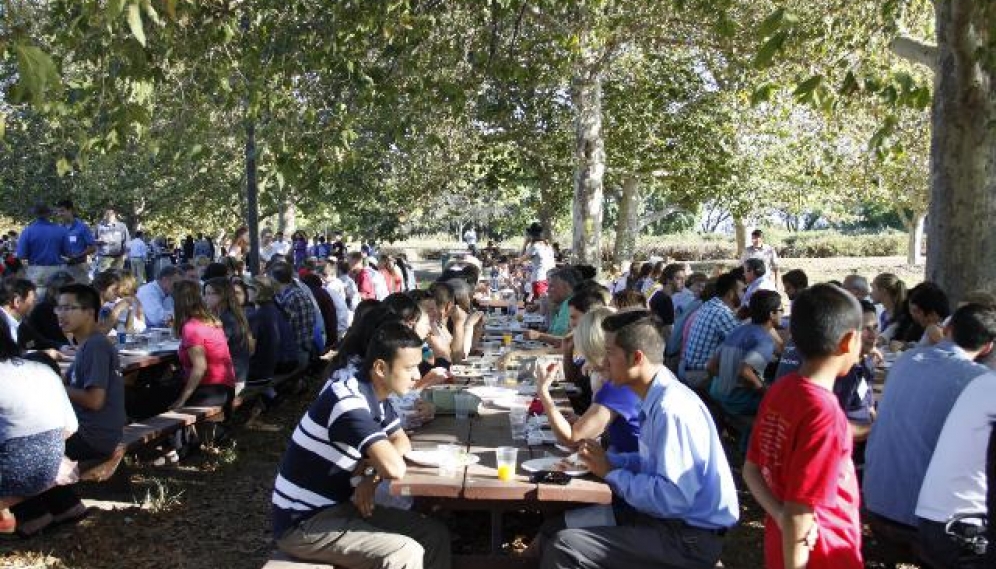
(589,338)
(127,285)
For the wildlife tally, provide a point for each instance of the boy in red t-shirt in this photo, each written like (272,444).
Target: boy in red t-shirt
(799,463)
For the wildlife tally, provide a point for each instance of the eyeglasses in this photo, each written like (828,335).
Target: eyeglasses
(67,307)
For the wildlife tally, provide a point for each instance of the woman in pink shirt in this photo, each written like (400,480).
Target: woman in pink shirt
(203,353)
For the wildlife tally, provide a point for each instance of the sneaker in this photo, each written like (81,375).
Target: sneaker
(8,523)
(71,515)
(170,458)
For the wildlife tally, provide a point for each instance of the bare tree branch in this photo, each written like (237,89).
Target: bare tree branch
(915,51)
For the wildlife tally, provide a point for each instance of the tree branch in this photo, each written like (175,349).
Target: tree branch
(915,51)
(652,218)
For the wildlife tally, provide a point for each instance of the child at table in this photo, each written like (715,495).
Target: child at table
(799,464)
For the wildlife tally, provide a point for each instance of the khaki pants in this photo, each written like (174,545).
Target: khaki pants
(388,539)
(138,269)
(80,272)
(39,275)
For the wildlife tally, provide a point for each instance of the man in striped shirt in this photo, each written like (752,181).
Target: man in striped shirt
(347,442)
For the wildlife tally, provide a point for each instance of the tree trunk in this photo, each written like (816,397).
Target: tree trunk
(914,241)
(589,158)
(740,230)
(287,220)
(627,226)
(961,248)
(252,199)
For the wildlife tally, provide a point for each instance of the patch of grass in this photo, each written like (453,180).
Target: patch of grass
(160,497)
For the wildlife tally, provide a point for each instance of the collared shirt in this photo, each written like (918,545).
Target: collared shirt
(280,247)
(765,252)
(12,323)
(137,249)
(714,321)
(300,313)
(680,471)
(765,282)
(155,304)
(114,236)
(920,391)
(42,243)
(78,238)
(561,321)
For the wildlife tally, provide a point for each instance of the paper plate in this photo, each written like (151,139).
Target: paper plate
(554,463)
(431,458)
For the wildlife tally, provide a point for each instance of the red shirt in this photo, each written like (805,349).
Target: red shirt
(802,444)
(220,370)
(364,284)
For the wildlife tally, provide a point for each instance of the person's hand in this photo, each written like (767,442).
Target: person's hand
(531,334)
(474,318)
(363,495)
(426,410)
(544,376)
(458,315)
(594,457)
(435,376)
(878,358)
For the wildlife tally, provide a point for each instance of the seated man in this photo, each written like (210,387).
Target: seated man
(920,391)
(157,304)
(738,366)
(676,495)
(713,321)
(757,279)
(955,482)
(323,500)
(96,391)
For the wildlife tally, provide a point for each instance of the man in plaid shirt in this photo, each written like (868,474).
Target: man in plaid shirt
(713,321)
(297,308)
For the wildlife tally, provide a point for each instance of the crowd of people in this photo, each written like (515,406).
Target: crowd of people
(666,360)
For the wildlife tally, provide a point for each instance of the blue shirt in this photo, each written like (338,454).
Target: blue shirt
(750,344)
(42,243)
(920,391)
(714,321)
(78,238)
(680,471)
(624,430)
(855,395)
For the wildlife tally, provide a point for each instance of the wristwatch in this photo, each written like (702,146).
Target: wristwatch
(368,472)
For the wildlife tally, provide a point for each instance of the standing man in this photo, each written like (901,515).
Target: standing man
(338,247)
(138,252)
(42,246)
(758,249)
(112,237)
(79,242)
(280,246)
(675,497)
(470,238)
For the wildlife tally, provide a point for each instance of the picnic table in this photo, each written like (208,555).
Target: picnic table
(477,487)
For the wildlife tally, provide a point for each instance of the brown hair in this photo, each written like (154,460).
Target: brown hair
(188,304)
(226,290)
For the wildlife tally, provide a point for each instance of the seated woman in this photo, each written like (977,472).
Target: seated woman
(327,309)
(614,410)
(929,307)
(127,310)
(221,299)
(35,419)
(204,356)
(106,284)
(411,314)
(737,367)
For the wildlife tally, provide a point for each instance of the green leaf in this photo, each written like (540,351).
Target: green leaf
(38,74)
(151,12)
(3,125)
(762,94)
(62,166)
(850,84)
(135,23)
(114,9)
(767,52)
(771,24)
(805,89)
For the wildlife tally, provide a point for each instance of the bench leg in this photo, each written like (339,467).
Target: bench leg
(496,526)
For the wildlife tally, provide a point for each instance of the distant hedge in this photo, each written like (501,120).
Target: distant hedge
(809,244)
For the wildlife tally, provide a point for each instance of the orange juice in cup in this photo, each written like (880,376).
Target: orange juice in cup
(505,460)
(506,339)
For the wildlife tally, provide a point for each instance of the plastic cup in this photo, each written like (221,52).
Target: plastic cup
(511,378)
(464,404)
(491,380)
(505,460)
(506,339)
(517,417)
(448,455)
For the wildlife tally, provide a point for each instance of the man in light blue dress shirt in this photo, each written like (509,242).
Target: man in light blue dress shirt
(675,497)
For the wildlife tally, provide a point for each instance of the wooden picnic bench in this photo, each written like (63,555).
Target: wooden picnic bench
(142,433)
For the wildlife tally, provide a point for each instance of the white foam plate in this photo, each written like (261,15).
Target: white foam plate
(431,458)
(553,463)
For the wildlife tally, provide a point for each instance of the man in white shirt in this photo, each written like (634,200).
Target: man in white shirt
(280,247)
(266,248)
(759,250)
(470,238)
(138,252)
(756,274)
(17,298)
(157,304)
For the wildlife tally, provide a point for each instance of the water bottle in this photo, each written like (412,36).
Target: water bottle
(494,279)
(122,334)
(513,303)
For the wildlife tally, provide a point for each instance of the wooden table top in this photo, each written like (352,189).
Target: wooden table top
(482,433)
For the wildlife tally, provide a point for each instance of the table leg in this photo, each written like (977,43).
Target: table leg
(495,531)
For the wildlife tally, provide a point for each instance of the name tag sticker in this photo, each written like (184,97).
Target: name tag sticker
(862,389)
(72,239)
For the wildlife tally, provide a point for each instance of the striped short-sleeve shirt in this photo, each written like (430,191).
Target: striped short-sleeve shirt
(328,443)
